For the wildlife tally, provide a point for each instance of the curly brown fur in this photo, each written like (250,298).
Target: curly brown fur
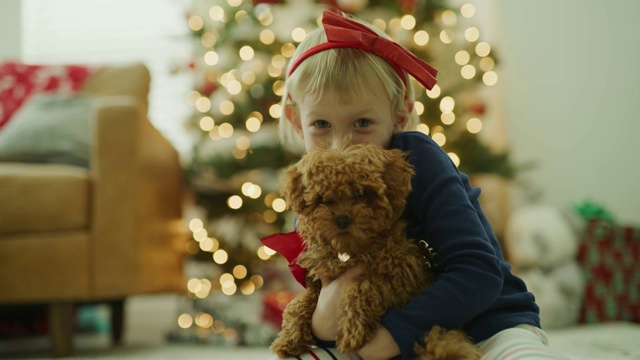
(447,345)
(350,201)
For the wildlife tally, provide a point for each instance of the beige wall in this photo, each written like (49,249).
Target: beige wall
(10,23)
(571,83)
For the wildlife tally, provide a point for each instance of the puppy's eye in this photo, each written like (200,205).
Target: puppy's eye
(324,201)
(360,195)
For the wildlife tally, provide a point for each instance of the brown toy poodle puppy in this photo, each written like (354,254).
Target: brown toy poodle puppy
(349,203)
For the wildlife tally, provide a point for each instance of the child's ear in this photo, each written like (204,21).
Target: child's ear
(400,122)
(292,114)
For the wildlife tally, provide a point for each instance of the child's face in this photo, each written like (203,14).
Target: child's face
(365,119)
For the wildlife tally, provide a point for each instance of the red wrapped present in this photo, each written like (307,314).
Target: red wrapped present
(610,258)
(274,305)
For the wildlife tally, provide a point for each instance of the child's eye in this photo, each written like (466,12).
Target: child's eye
(363,122)
(322,124)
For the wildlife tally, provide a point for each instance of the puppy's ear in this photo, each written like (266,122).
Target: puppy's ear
(292,189)
(397,177)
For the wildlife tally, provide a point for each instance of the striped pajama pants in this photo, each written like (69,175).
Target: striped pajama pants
(520,342)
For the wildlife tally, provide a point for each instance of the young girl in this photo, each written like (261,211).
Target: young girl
(348,80)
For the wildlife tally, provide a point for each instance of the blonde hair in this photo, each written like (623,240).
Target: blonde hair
(347,72)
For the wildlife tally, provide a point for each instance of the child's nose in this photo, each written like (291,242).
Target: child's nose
(341,140)
(338,143)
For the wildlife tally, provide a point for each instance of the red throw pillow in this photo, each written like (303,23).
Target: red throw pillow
(610,258)
(19,81)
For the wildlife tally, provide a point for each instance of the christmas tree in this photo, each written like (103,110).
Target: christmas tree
(241,49)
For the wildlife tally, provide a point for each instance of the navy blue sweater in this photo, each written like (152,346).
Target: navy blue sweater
(476,290)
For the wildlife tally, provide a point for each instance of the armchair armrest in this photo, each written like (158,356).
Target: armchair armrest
(137,232)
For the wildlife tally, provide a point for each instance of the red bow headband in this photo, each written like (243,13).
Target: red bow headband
(343,32)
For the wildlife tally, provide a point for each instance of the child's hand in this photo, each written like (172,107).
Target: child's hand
(324,322)
(381,347)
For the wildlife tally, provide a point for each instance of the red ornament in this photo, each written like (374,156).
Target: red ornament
(208,88)
(478,108)
(408,6)
(270,2)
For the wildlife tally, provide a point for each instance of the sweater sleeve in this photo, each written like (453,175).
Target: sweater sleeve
(441,209)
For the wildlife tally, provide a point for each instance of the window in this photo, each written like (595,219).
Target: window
(109,32)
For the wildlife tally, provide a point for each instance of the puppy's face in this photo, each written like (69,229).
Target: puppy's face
(348,198)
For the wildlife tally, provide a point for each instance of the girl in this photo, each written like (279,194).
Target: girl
(347,80)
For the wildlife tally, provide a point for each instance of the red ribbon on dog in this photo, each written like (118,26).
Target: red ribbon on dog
(344,32)
(289,245)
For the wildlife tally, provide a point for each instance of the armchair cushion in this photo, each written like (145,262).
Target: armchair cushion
(43,197)
(50,128)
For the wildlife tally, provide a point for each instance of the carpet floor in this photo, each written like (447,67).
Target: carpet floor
(149,319)
(617,341)
(39,349)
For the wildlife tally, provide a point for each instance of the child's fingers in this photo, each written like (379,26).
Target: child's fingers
(352,273)
(325,280)
(347,276)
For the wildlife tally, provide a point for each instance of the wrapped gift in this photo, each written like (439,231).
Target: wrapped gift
(610,258)
(274,304)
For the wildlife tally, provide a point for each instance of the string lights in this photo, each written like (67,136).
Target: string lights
(475,62)
(236,86)
(275,69)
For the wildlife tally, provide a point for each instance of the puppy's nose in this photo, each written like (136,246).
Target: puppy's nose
(342,221)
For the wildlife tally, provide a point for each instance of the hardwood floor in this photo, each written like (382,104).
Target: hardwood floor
(148,319)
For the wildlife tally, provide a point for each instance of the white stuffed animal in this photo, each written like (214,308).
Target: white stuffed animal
(541,245)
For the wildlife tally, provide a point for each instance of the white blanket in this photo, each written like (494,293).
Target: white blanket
(606,341)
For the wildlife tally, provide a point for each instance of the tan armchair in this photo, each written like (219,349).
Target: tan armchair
(70,235)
